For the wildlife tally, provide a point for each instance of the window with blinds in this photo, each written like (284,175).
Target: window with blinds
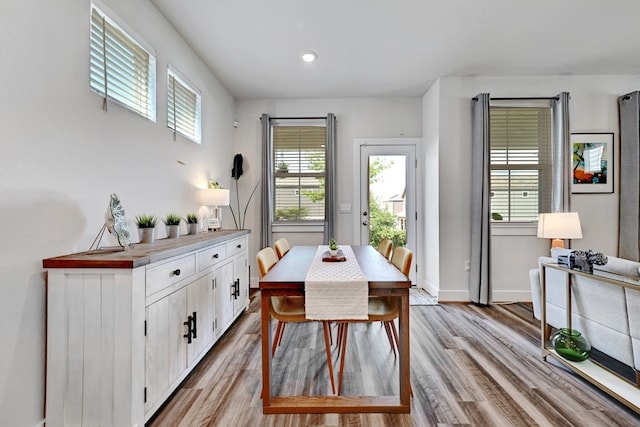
(299,158)
(183,107)
(520,163)
(121,69)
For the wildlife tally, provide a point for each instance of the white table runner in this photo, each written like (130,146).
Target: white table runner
(336,290)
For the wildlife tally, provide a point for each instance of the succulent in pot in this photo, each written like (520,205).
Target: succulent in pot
(146,228)
(172,222)
(333,247)
(192,223)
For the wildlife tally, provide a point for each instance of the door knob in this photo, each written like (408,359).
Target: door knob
(364,223)
(364,213)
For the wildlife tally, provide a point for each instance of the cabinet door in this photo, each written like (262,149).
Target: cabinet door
(176,332)
(224,296)
(157,351)
(241,277)
(200,302)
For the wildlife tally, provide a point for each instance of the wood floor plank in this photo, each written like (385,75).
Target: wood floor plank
(470,366)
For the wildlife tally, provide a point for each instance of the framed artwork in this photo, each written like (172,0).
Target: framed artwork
(592,162)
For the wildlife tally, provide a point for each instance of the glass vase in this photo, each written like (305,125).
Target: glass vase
(571,344)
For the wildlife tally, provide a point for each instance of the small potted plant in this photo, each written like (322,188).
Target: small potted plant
(172,222)
(147,228)
(283,167)
(333,247)
(192,223)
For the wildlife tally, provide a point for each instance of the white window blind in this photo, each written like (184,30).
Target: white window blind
(183,107)
(299,173)
(520,163)
(121,69)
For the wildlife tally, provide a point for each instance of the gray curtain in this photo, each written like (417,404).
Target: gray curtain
(561,155)
(628,244)
(330,180)
(480,272)
(267,183)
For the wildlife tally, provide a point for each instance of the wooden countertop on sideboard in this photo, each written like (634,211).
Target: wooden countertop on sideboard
(142,253)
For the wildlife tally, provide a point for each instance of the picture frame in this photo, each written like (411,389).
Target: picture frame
(592,162)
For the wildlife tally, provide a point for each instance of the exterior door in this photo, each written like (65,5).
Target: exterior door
(388,196)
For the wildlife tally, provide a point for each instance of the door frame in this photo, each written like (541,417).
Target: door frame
(416,143)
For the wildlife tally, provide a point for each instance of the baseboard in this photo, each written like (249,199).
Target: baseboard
(430,288)
(40,424)
(511,296)
(254,282)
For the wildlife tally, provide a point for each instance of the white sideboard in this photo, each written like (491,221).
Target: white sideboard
(124,328)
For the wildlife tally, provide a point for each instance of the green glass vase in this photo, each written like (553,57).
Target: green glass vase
(571,344)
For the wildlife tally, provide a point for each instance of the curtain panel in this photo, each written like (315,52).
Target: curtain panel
(267,182)
(561,155)
(629,230)
(479,274)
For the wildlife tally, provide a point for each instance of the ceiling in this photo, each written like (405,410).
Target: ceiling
(384,48)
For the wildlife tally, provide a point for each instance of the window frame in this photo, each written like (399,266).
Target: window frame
(544,166)
(100,80)
(190,88)
(275,173)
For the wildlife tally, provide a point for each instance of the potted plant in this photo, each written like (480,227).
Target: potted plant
(333,247)
(147,228)
(283,167)
(172,222)
(192,223)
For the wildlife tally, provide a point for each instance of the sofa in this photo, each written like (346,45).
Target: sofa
(608,315)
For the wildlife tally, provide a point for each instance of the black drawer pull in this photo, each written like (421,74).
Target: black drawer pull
(176,272)
(239,246)
(189,330)
(215,256)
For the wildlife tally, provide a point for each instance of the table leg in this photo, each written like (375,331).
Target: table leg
(405,371)
(265,303)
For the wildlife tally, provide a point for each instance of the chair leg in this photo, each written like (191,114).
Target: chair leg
(343,344)
(387,329)
(327,328)
(284,325)
(276,337)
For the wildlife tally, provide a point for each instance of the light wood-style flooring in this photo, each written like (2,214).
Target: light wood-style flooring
(470,366)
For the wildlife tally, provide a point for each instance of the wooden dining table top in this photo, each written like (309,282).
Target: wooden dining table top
(290,272)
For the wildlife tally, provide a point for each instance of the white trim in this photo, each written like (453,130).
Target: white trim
(461,295)
(514,229)
(510,296)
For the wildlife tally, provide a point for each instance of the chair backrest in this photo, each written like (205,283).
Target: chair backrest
(266,259)
(384,247)
(402,259)
(282,247)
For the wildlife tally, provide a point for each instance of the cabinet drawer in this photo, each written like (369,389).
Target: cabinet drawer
(166,274)
(211,256)
(236,246)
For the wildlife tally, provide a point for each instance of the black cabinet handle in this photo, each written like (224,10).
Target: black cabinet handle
(236,289)
(189,331)
(176,272)
(194,329)
(215,256)
(239,246)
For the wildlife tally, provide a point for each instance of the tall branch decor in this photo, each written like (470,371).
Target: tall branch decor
(236,173)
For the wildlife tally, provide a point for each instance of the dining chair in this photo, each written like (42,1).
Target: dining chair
(282,247)
(381,309)
(289,309)
(384,247)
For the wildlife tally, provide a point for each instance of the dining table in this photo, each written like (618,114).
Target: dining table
(287,278)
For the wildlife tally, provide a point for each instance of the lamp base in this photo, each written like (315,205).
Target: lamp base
(214,222)
(557,243)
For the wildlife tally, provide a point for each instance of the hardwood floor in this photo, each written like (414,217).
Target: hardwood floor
(469,366)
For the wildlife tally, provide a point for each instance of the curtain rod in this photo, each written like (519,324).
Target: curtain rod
(531,98)
(297,118)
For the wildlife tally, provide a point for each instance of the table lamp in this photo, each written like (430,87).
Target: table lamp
(214,198)
(559,226)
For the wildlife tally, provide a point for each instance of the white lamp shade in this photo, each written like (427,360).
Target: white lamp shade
(559,225)
(214,197)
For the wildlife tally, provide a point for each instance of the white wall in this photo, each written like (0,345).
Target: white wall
(593,108)
(429,243)
(62,156)
(356,118)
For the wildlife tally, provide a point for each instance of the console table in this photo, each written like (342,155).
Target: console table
(124,328)
(606,380)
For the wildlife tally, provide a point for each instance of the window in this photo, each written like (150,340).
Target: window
(299,159)
(183,107)
(121,68)
(520,163)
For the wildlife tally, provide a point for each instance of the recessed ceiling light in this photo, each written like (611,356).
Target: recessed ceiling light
(309,56)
